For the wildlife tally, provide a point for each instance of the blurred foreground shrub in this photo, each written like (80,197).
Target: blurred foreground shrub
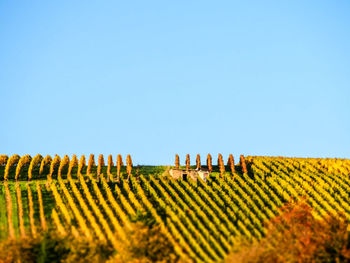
(50,247)
(296,235)
(146,243)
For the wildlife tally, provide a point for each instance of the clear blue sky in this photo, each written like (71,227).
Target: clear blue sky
(155,78)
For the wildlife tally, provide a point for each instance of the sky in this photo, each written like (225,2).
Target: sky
(156,78)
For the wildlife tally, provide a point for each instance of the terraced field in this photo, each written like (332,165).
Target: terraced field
(202,220)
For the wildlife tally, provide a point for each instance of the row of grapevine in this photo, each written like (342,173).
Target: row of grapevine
(298,177)
(24,209)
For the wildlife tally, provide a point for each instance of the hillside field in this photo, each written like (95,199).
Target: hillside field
(201,220)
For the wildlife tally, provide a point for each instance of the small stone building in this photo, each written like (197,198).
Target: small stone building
(193,174)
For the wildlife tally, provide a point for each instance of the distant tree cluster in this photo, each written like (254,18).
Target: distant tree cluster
(209,163)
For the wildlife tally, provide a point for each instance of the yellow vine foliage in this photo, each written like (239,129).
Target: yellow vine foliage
(109,167)
(63,165)
(91,163)
(73,163)
(20,210)
(25,160)
(221,164)
(101,163)
(119,164)
(87,213)
(111,236)
(57,222)
(3,159)
(61,205)
(187,161)
(243,164)
(82,163)
(11,162)
(128,164)
(9,210)
(45,164)
(228,160)
(110,162)
(198,161)
(177,161)
(78,216)
(31,211)
(209,163)
(35,163)
(124,218)
(55,164)
(231,163)
(41,207)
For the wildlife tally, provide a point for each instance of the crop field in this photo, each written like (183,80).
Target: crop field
(201,219)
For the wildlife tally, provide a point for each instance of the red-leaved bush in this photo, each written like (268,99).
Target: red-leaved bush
(296,235)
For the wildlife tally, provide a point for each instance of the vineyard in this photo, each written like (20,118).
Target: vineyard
(201,219)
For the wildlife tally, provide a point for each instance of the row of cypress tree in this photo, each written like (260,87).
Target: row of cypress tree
(49,165)
(230,163)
